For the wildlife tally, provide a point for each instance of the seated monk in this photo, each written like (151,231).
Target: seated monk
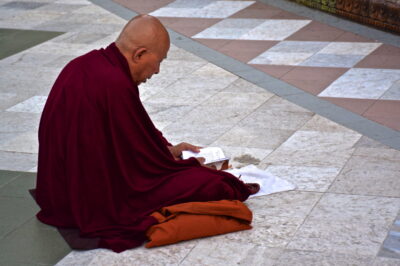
(103,166)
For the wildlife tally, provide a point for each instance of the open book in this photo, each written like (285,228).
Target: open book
(214,157)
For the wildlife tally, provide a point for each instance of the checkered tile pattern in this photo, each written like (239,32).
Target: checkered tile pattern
(201,8)
(319,54)
(348,70)
(253,29)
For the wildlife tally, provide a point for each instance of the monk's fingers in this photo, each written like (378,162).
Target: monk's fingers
(189,147)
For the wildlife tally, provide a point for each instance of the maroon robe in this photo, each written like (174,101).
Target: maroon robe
(103,166)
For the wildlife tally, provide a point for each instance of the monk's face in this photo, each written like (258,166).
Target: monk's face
(149,63)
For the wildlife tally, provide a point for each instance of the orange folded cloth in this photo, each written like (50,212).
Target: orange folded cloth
(198,219)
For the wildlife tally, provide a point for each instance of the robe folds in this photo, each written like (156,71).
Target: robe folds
(103,166)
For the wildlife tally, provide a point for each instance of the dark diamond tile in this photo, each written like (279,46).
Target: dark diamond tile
(358,106)
(273,70)
(19,186)
(8,176)
(258,11)
(15,212)
(33,243)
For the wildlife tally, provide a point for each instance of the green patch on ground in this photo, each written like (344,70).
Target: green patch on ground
(23,239)
(13,41)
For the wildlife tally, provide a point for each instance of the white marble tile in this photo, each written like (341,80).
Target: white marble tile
(166,255)
(358,181)
(60,7)
(378,152)
(62,48)
(298,47)
(91,9)
(164,114)
(367,210)
(332,60)
(214,9)
(60,61)
(255,137)
(242,85)
(366,142)
(275,29)
(214,115)
(25,142)
(82,2)
(192,90)
(362,83)
(305,258)
(215,251)
(176,53)
(202,134)
(229,28)
(112,30)
(265,118)
(83,37)
(318,140)
(86,18)
(278,104)
(34,104)
(175,69)
(76,257)
(210,70)
(370,175)
(296,204)
(350,48)
(175,12)
(28,59)
(279,58)
(245,102)
(314,148)
(222,9)
(306,178)
(22,5)
(6,137)
(16,161)
(393,93)
(268,231)
(8,99)
(29,19)
(18,122)
(381,261)
(221,33)
(320,123)
(331,227)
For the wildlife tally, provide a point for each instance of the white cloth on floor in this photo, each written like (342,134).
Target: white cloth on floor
(268,183)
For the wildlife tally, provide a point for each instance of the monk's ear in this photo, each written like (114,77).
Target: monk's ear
(138,53)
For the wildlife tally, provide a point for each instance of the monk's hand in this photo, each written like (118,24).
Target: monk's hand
(176,150)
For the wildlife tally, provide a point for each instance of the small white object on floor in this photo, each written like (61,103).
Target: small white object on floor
(268,183)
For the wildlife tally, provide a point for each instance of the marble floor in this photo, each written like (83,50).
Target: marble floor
(310,55)
(345,209)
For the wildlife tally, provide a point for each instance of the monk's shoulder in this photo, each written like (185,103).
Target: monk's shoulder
(94,66)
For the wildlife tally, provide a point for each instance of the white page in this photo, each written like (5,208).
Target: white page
(211,154)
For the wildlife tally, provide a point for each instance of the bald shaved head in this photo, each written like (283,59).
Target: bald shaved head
(144,42)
